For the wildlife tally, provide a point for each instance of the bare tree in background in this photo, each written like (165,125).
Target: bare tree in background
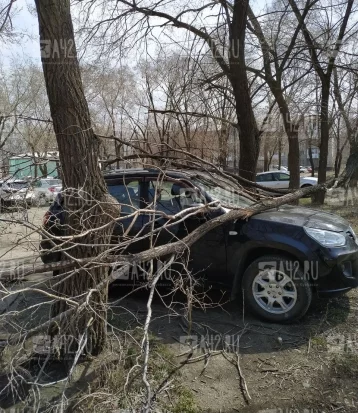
(228,52)
(277,46)
(6,13)
(13,101)
(323,52)
(110,92)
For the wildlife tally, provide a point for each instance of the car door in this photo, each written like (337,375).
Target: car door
(282,179)
(266,179)
(207,257)
(127,191)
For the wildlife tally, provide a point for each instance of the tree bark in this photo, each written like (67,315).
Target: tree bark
(319,196)
(311,157)
(266,155)
(248,131)
(291,129)
(86,200)
(279,153)
(337,163)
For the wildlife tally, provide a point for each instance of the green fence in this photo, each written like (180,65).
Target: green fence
(22,167)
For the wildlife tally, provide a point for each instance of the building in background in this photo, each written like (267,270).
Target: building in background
(28,165)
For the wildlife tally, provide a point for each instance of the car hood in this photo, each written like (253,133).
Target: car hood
(307,217)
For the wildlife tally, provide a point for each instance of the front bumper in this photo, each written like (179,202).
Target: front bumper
(18,200)
(342,275)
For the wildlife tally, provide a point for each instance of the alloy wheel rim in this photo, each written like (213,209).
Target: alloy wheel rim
(274,291)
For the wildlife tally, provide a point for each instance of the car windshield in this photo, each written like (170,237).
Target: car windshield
(18,185)
(226,197)
(52,182)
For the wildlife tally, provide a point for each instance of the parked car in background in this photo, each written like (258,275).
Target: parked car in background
(281,180)
(280,168)
(16,192)
(46,189)
(303,169)
(277,258)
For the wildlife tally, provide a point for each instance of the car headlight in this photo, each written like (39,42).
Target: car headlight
(326,238)
(354,235)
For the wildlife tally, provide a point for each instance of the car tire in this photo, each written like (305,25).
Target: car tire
(276,289)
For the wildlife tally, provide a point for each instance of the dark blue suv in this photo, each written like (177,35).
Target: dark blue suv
(277,259)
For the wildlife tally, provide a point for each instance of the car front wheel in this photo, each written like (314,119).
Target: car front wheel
(276,289)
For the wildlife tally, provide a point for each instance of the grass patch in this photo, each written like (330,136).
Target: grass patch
(319,342)
(305,202)
(185,402)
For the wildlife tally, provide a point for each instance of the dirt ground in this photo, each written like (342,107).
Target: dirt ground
(248,366)
(16,240)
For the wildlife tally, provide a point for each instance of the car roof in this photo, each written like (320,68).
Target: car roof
(14,181)
(120,173)
(271,172)
(47,178)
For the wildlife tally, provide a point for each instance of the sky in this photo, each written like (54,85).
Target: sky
(26,48)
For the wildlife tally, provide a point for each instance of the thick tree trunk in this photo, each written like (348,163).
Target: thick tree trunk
(291,129)
(319,196)
(294,159)
(86,199)
(223,141)
(337,163)
(266,155)
(43,169)
(249,135)
(311,158)
(118,150)
(279,153)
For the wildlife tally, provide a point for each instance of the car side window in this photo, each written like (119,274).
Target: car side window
(171,197)
(283,177)
(266,177)
(127,194)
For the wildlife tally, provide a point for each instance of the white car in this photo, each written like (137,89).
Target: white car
(46,189)
(16,192)
(282,168)
(282,179)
